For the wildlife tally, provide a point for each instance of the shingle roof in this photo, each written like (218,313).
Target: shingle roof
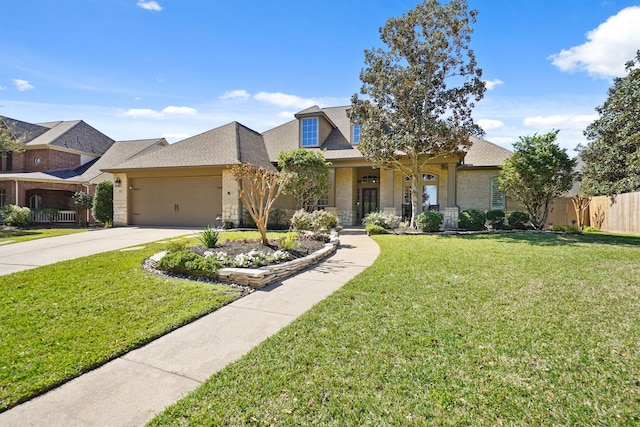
(119,152)
(226,145)
(73,135)
(485,154)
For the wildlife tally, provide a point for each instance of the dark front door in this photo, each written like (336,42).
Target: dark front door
(369,201)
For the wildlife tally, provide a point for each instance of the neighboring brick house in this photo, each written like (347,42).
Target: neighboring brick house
(189,183)
(58,159)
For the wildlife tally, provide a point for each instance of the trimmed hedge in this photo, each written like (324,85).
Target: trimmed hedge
(429,221)
(472,220)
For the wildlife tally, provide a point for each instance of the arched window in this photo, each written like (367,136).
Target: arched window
(35,202)
(497,195)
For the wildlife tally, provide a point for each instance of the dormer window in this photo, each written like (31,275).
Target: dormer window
(310,132)
(355,133)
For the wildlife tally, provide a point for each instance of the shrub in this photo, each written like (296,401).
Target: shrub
(16,215)
(289,241)
(176,245)
(565,229)
(429,221)
(495,219)
(103,203)
(376,229)
(188,262)
(518,219)
(208,236)
(314,221)
(384,220)
(472,220)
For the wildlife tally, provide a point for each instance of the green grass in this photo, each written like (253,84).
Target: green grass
(15,236)
(505,329)
(62,320)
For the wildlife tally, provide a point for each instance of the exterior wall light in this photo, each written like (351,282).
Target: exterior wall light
(117,182)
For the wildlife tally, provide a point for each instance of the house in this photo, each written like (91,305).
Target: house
(58,159)
(189,183)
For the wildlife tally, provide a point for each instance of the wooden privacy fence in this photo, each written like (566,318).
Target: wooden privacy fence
(620,216)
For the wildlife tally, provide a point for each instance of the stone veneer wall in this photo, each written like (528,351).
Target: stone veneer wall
(346,193)
(231,205)
(120,200)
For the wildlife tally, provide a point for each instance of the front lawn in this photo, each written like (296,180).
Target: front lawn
(62,320)
(21,235)
(505,329)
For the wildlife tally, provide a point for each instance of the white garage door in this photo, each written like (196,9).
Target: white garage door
(192,201)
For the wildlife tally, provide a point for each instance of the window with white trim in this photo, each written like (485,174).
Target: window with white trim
(355,137)
(497,195)
(309,132)
(35,202)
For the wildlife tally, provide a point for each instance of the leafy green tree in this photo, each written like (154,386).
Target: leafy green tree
(612,157)
(537,172)
(103,203)
(308,176)
(420,91)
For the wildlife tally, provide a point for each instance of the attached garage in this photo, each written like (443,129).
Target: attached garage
(176,201)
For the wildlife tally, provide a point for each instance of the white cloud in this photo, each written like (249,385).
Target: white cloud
(22,85)
(150,5)
(491,84)
(489,125)
(610,46)
(147,113)
(560,121)
(240,94)
(285,101)
(186,111)
(286,115)
(3,87)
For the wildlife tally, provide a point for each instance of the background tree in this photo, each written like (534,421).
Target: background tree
(308,173)
(259,188)
(9,140)
(612,157)
(421,91)
(103,203)
(81,202)
(537,172)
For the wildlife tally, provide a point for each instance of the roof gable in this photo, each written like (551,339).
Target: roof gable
(223,146)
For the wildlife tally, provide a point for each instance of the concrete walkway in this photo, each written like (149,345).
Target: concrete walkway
(35,253)
(130,390)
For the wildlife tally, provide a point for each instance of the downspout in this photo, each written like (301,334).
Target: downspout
(17,201)
(87,187)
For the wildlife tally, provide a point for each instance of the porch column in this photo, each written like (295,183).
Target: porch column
(386,191)
(231,204)
(452,210)
(346,194)
(121,201)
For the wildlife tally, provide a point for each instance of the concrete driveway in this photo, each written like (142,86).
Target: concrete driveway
(35,253)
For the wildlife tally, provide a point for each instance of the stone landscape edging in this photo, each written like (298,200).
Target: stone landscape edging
(257,278)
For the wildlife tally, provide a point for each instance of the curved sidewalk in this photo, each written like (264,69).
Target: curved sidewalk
(131,389)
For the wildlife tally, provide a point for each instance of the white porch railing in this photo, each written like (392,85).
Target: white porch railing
(59,216)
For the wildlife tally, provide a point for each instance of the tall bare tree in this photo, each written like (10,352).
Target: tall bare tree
(258,189)
(9,140)
(420,92)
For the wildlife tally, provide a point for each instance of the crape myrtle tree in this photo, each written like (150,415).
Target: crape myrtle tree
(612,156)
(308,176)
(537,172)
(420,91)
(259,188)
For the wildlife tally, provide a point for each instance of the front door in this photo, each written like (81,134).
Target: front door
(369,201)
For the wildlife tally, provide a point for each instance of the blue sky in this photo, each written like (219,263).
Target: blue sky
(174,68)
